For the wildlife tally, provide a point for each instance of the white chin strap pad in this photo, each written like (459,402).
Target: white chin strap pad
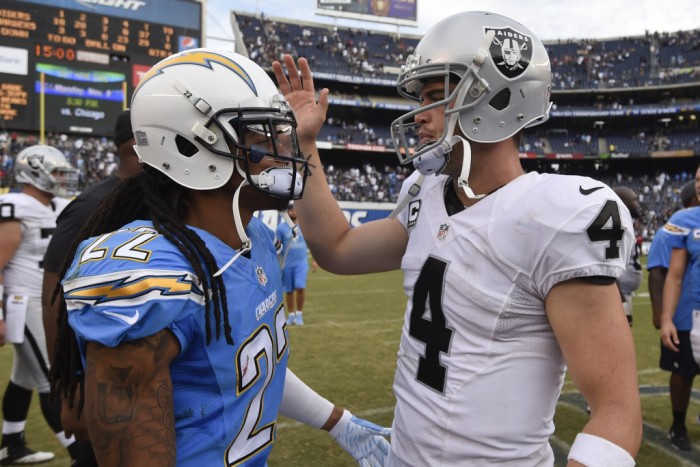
(433,161)
(278,181)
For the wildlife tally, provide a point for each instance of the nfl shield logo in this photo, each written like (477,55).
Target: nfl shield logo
(262,277)
(510,50)
(442,232)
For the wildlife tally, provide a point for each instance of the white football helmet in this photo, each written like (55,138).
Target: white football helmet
(200,114)
(46,168)
(502,75)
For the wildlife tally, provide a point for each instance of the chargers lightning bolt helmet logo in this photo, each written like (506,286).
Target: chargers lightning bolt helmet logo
(203,58)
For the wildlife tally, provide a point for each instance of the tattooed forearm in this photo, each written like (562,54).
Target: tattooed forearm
(128,396)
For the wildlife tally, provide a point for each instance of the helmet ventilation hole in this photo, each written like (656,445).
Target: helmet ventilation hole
(185,146)
(501,100)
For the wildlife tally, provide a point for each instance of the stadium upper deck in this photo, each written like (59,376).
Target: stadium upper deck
(658,59)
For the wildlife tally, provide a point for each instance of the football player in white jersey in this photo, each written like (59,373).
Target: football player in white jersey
(510,277)
(27,220)
(631,279)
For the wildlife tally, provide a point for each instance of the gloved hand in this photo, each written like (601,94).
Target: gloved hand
(362,439)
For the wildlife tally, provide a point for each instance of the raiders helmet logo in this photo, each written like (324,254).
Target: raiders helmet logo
(510,51)
(35,161)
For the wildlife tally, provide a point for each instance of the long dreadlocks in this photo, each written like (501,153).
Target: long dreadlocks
(148,195)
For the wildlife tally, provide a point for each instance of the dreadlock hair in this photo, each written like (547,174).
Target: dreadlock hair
(147,195)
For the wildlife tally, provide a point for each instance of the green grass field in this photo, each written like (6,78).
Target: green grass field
(347,352)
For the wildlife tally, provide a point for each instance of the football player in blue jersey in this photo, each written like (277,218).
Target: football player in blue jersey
(675,252)
(294,260)
(175,293)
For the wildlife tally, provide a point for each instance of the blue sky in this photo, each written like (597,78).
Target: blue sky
(548,19)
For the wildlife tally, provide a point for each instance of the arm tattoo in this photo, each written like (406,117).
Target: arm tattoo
(129,401)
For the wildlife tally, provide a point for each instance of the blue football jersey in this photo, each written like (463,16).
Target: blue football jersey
(294,249)
(683,231)
(133,283)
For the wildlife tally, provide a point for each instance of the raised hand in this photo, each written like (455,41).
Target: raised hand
(298,88)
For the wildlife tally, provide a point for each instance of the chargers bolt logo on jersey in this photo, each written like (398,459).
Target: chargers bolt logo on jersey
(442,232)
(510,50)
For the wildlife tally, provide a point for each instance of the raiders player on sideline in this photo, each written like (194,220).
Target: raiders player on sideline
(175,291)
(510,277)
(631,279)
(27,220)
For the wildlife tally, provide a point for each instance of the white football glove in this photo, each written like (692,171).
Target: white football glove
(362,439)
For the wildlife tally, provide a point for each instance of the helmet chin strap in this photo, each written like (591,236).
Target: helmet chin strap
(247,243)
(279,181)
(463,179)
(274,184)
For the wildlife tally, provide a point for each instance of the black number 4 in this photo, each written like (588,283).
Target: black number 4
(433,332)
(601,230)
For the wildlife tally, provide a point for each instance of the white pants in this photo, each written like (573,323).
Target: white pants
(627,304)
(695,336)
(30,367)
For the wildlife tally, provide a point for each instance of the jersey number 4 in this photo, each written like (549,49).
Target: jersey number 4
(607,227)
(434,331)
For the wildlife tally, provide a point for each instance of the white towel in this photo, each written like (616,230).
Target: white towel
(15,317)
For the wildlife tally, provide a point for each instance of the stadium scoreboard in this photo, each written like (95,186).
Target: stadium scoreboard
(71,65)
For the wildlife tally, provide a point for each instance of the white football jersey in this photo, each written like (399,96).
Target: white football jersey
(24,273)
(631,280)
(479,370)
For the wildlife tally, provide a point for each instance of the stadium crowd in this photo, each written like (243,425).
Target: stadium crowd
(364,182)
(653,59)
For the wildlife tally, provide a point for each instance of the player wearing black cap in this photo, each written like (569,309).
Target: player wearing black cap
(68,225)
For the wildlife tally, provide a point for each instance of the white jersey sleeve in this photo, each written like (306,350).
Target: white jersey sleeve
(561,228)
(24,272)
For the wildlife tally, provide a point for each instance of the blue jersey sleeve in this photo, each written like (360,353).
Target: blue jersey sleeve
(659,252)
(129,285)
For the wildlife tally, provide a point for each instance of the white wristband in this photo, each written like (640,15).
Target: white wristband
(303,404)
(594,451)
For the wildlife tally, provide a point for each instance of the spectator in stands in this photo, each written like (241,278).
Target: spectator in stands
(631,279)
(679,299)
(68,225)
(486,241)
